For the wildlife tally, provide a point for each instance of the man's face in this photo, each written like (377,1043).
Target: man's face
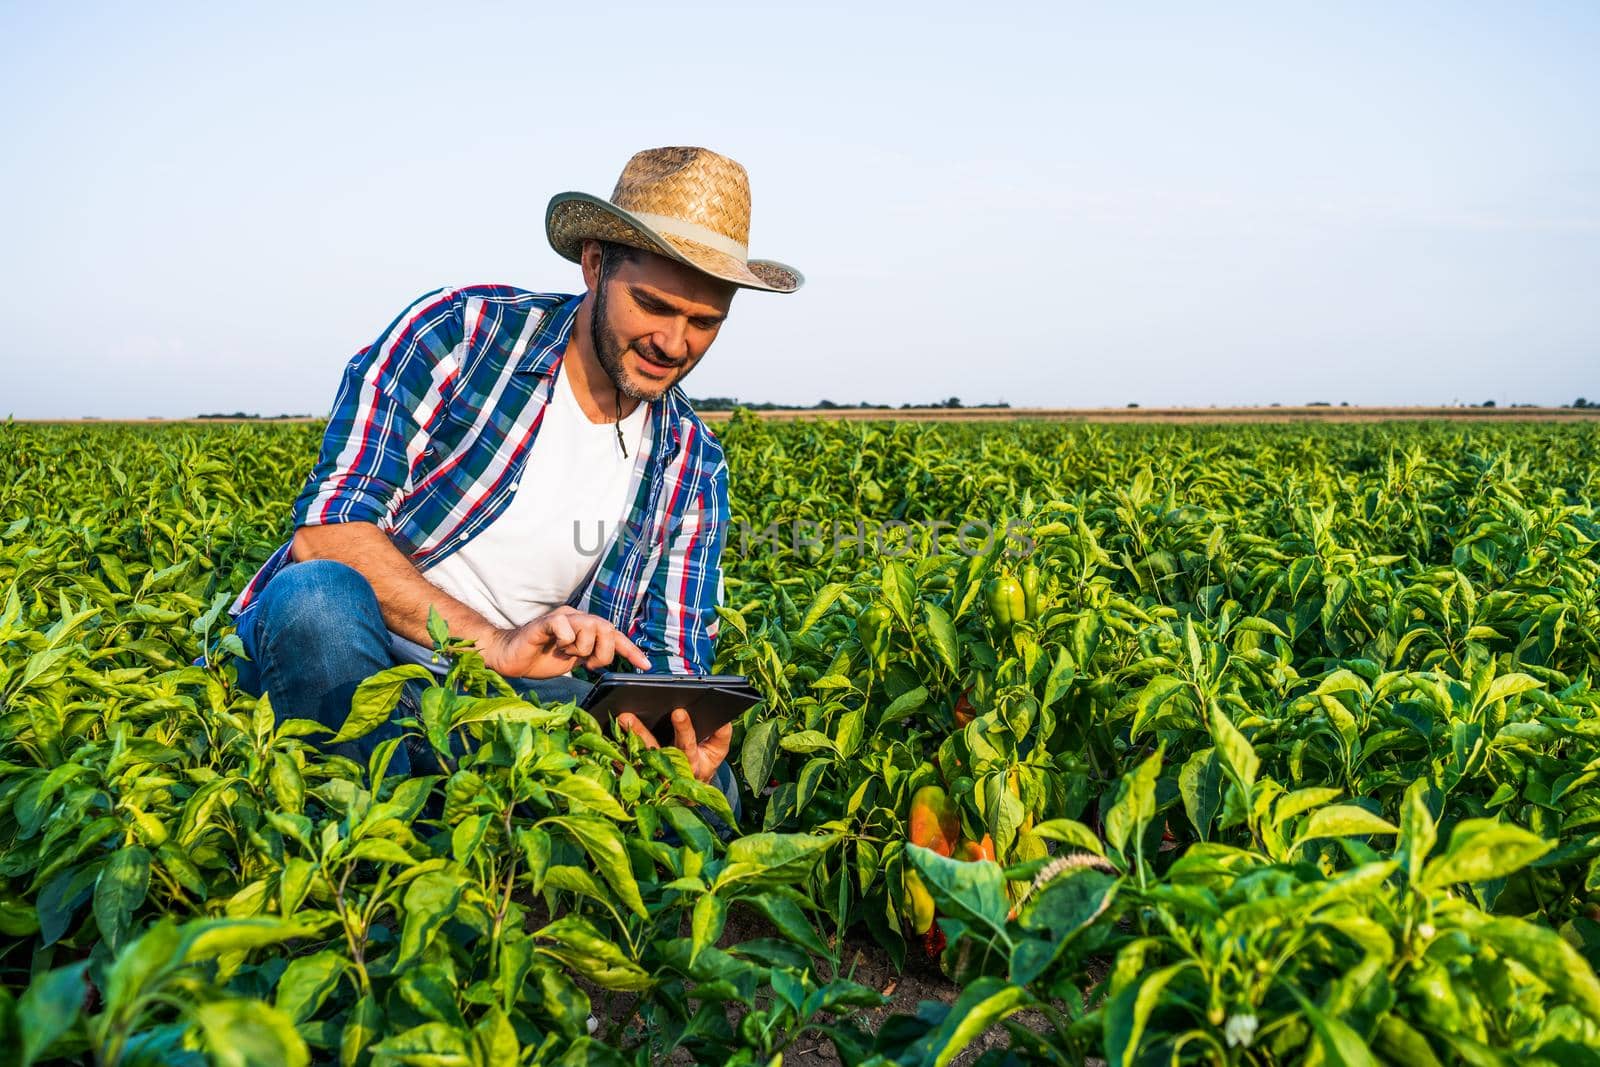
(653,320)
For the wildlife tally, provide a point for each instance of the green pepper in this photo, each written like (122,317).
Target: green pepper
(872,627)
(1031,579)
(1008,604)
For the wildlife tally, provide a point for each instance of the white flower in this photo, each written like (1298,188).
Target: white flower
(1240,1030)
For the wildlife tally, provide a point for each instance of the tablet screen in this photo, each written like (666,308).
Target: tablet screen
(712,701)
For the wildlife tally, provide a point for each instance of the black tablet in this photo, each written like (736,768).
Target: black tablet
(712,700)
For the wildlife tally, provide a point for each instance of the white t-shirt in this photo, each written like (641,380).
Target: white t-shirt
(571,498)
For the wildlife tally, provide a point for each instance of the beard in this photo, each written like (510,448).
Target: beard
(609,350)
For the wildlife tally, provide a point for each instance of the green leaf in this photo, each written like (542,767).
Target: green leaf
(48,1008)
(467,836)
(143,962)
(820,604)
(579,945)
(1061,676)
(942,635)
(810,778)
(496,1038)
(981,1004)
(972,892)
(1509,685)
(1417,831)
(563,1000)
(1398,1042)
(603,842)
(590,794)
(375,699)
(1342,820)
(1237,754)
(705,926)
(1067,904)
(306,983)
(430,991)
(1156,693)
(901,706)
(361,1028)
(773,859)
(789,919)
(1482,850)
(1339,1045)
(1301,801)
(899,590)
(757,754)
(1135,805)
(249,1033)
(1342,681)
(1548,956)
(807,741)
(380,850)
(1070,832)
(851,728)
(121,888)
(206,939)
(430,902)
(1200,784)
(438,629)
(432,1044)
(287,784)
(1128,1013)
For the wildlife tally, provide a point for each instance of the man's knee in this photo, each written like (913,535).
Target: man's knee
(320,600)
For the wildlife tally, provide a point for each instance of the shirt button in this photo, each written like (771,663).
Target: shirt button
(513,487)
(463,537)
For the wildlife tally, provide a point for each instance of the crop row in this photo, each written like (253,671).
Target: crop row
(1243,746)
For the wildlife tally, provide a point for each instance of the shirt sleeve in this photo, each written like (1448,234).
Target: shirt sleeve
(678,627)
(387,398)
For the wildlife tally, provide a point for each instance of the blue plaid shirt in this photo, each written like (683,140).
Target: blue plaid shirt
(429,435)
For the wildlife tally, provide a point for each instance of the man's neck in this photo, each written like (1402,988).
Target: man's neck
(597,394)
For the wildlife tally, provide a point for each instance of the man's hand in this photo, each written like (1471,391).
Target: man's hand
(704,756)
(554,644)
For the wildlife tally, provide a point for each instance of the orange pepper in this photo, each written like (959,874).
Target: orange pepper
(935,823)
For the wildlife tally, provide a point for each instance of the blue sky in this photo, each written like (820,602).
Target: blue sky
(1055,204)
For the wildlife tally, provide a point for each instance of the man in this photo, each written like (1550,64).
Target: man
(527,465)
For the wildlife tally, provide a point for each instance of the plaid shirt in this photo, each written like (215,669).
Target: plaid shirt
(431,430)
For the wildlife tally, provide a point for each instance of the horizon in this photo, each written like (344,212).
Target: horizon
(1230,207)
(1313,411)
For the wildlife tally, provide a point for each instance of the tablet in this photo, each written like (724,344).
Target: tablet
(712,700)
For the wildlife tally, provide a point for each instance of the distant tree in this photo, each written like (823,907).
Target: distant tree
(1344,403)
(953,402)
(1133,403)
(1319,404)
(1581,403)
(826,405)
(1487,404)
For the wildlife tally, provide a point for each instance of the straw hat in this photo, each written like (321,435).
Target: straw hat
(688,204)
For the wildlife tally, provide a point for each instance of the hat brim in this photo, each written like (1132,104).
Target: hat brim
(573,218)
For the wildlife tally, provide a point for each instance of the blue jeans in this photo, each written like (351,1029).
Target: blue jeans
(315,633)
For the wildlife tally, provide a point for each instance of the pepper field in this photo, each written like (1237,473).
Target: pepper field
(1283,743)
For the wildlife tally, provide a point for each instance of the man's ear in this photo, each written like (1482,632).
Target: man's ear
(590,261)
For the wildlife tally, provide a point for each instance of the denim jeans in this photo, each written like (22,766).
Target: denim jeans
(316,632)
